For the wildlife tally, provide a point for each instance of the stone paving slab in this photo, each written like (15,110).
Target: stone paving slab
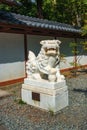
(4,93)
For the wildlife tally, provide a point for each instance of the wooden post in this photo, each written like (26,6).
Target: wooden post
(25,46)
(75,54)
(25,50)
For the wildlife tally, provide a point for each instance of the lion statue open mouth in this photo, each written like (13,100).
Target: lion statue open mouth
(46,65)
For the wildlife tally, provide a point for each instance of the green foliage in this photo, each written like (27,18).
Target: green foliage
(5,7)
(73,44)
(62,58)
(72,12)
(77,50)
(21,102)
(27,8)
(74,47)
(84,32)
(84,28)
(74,64)
(51,11)
(51,112)
(84,45)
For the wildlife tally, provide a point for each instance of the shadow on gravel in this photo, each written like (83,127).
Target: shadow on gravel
(83,70)
(80,91)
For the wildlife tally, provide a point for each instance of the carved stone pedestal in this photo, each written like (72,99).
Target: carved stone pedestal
(50,96)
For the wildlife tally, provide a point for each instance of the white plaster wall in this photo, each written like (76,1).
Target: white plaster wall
(34,45)
(67,51)
(82,55)
(34,42)
(12,65)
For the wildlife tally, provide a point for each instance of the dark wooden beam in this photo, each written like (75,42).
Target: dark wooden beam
(4,29)
(25,47)
(22,29)
(75,54)
(25,51)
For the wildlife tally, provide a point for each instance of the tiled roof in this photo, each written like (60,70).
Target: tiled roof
(18,19)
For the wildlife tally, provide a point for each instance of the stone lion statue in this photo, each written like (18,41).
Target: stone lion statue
(46,65)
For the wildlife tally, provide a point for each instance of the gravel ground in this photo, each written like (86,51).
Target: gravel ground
(14,115)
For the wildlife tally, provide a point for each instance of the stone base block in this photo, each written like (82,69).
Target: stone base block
(49,96)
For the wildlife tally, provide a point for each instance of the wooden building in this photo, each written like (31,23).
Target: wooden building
(19,34)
